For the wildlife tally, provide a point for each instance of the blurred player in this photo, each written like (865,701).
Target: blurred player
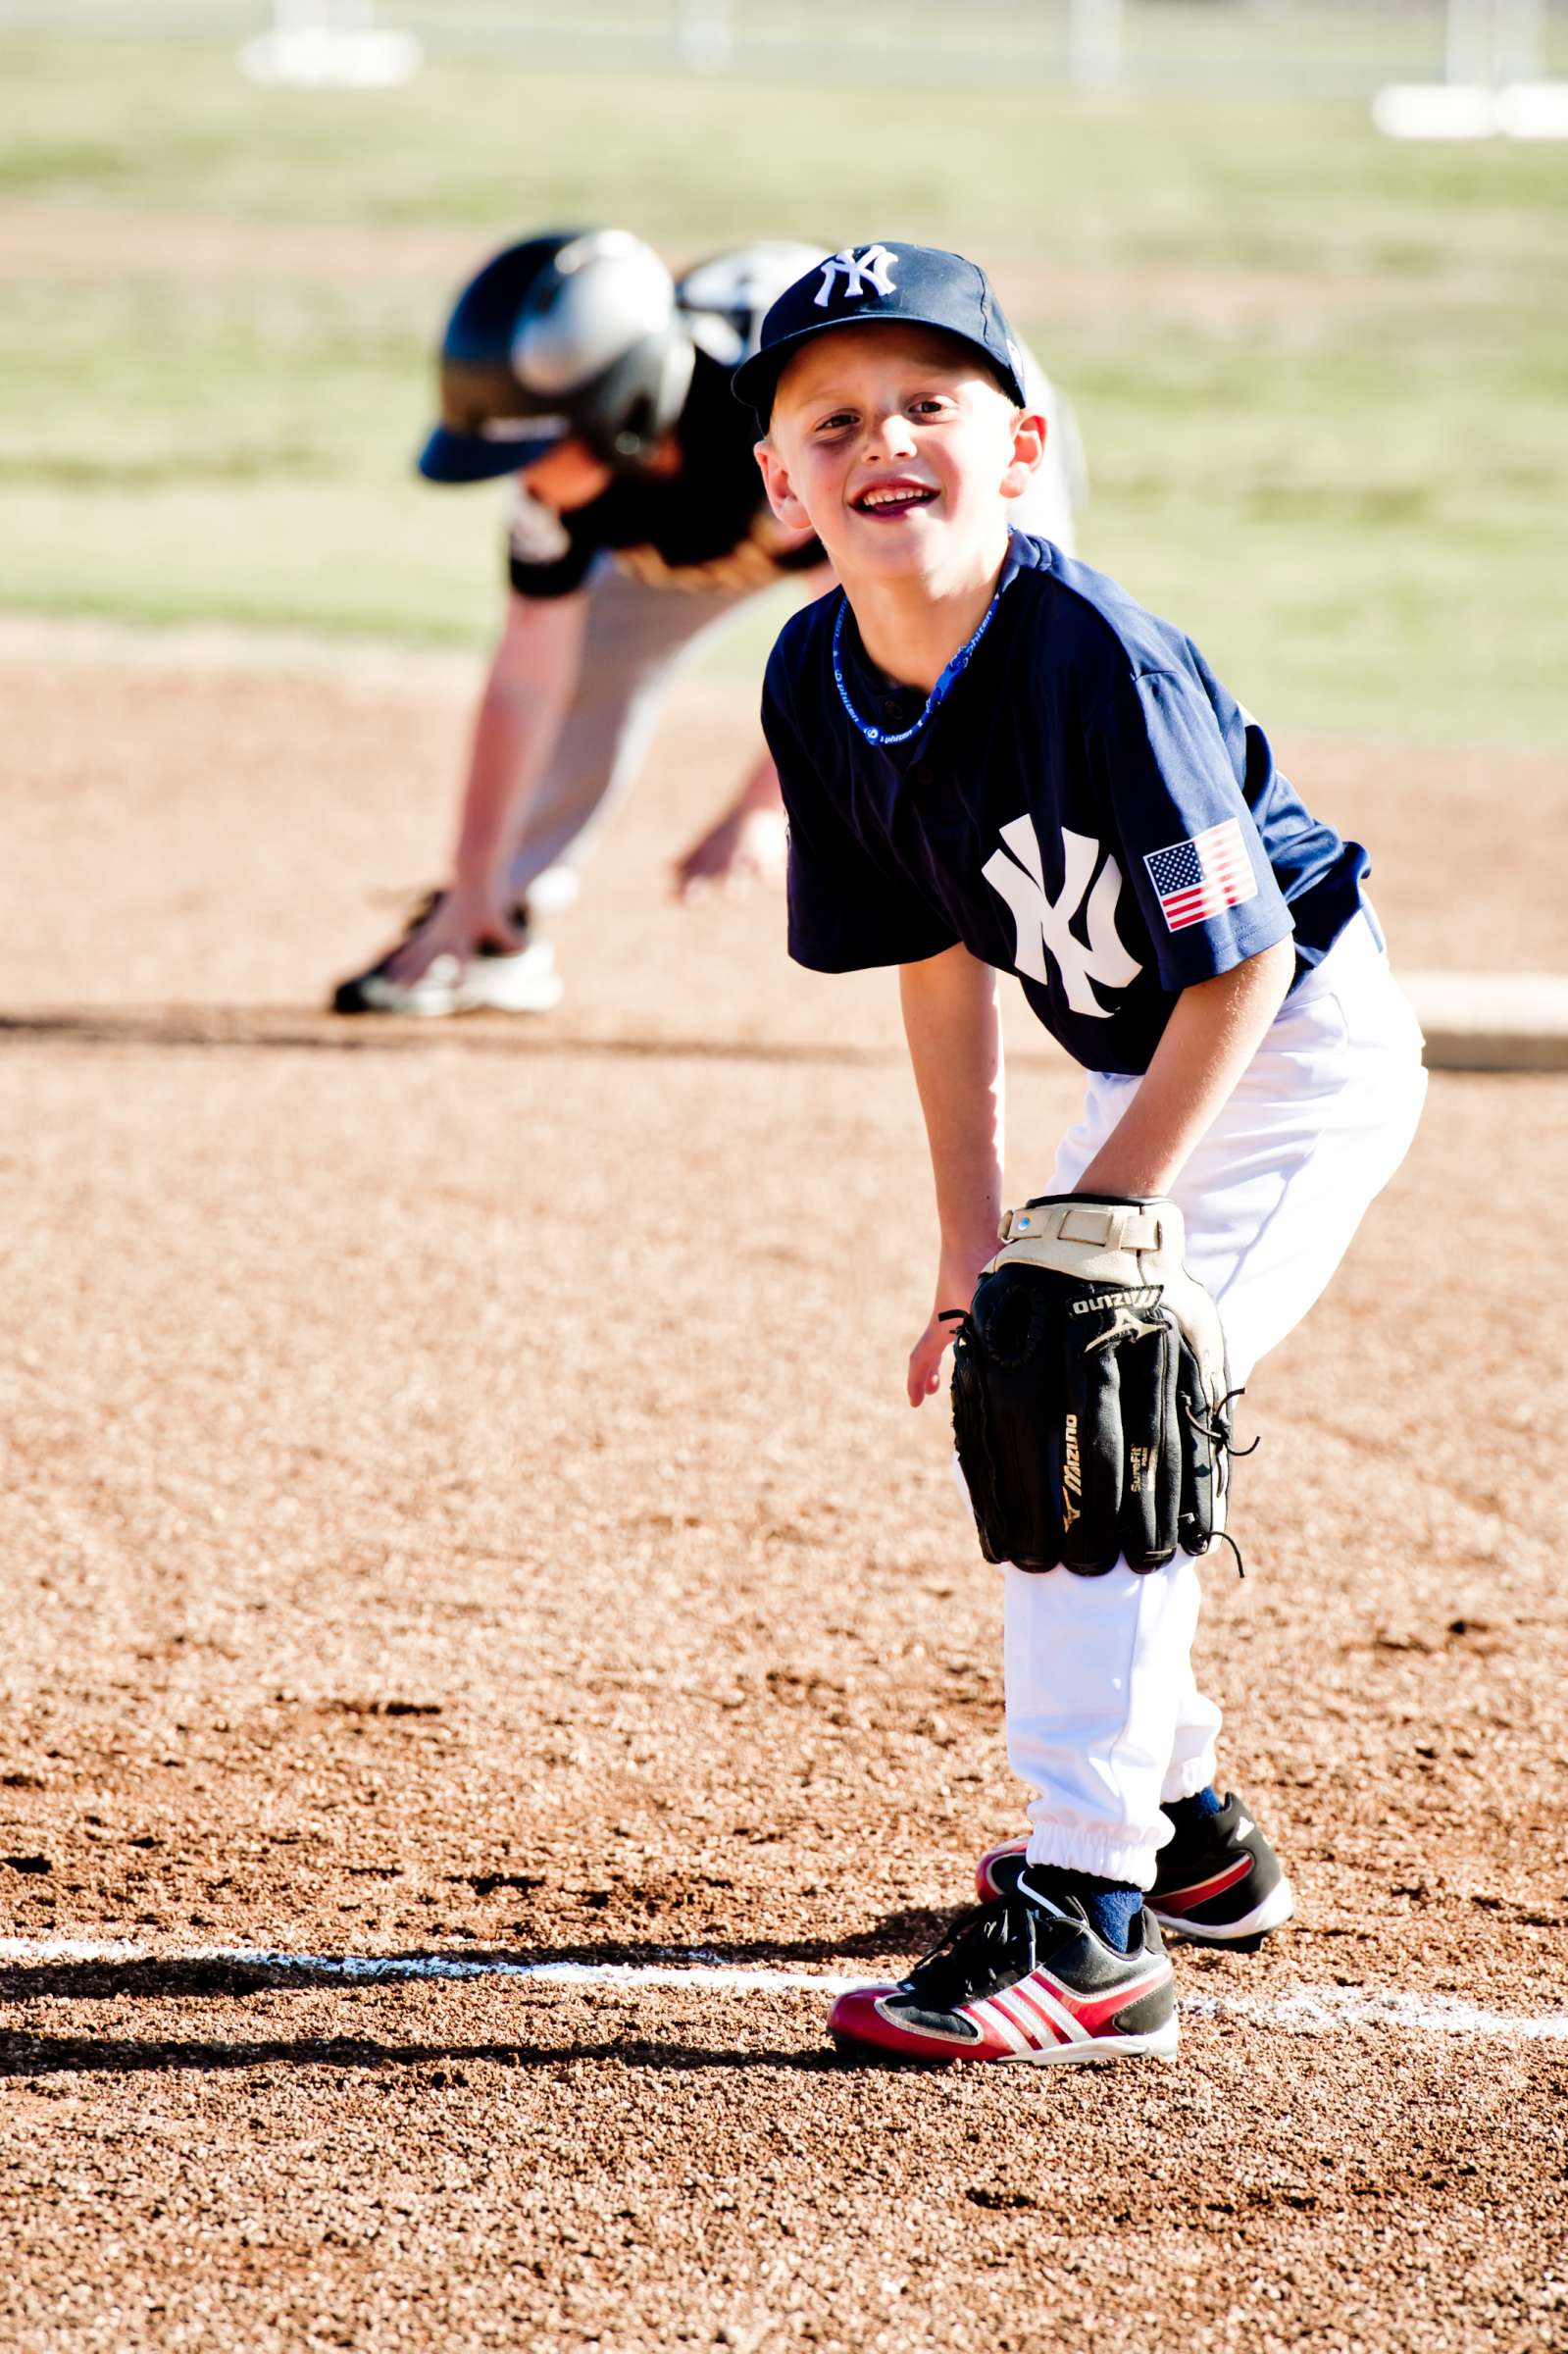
(639,524)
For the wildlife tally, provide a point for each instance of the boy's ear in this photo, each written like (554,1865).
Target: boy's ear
(776,482)
(1028,452)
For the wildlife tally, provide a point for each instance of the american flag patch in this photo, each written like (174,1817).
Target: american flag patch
(1196,879)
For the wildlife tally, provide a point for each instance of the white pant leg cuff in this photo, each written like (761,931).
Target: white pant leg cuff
(1107,1856)
(1190,1777)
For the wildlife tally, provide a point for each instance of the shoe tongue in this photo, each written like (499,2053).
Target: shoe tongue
(1044,1887)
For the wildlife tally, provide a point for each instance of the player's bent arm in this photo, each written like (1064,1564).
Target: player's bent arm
(532,676)
(955,1046)
(1215,1028)
(746,840)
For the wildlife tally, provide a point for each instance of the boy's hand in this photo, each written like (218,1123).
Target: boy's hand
(956,1278)
(465,918)
(745,846)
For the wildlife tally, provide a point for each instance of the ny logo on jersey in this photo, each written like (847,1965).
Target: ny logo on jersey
(868,271)
(1043,923)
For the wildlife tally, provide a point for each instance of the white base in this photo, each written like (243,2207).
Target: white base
(1472,110)
(315,57)
(1492,1021)
(1534,110)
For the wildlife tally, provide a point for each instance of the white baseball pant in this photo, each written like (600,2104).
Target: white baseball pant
(1104,1718)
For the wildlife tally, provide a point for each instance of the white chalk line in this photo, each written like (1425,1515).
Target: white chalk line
(1300,2009)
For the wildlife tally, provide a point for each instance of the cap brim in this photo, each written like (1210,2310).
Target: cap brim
(449,457)
(756,380)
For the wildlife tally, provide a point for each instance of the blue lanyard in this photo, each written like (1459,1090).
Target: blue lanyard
(939,694)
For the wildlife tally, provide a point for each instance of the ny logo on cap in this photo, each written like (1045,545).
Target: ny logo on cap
(870,269)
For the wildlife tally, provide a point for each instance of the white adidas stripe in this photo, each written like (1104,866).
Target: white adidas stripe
(1029,2021)
(1038,1989)
(990,2016)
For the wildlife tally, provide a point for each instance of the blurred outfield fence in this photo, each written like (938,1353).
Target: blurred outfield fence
(1295,48)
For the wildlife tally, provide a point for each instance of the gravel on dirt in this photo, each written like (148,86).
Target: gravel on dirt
(458,1498)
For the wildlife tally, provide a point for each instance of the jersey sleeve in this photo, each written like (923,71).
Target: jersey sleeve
(1173,775)
(849,909)
(543,556)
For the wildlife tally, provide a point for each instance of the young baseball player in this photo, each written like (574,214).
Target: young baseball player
(993,759)
(576,362)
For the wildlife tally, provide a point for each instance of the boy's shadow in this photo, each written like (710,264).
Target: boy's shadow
(40,2055)
(898,1937)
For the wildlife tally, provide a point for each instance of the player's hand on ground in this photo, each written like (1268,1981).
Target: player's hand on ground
(956,1279)
(466,918)
(745,846)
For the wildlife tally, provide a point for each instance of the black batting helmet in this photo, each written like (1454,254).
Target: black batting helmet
(573,334)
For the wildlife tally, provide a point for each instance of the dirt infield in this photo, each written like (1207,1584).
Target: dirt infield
(460,1506)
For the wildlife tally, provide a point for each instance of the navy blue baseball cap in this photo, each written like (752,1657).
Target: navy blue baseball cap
(914,285)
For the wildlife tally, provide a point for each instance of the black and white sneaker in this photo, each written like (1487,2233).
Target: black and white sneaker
(1218,1882)
(1025,1978)
(495,980)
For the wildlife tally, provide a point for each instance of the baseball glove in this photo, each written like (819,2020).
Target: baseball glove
(1090,1390)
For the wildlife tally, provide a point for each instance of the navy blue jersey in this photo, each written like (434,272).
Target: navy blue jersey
(1088,808)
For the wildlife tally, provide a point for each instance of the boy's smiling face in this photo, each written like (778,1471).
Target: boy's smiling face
(899,449)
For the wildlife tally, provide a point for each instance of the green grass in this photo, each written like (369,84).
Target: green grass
(1320,377)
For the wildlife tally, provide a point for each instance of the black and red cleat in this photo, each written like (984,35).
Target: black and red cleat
(1218,1882)
(1026,1978)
